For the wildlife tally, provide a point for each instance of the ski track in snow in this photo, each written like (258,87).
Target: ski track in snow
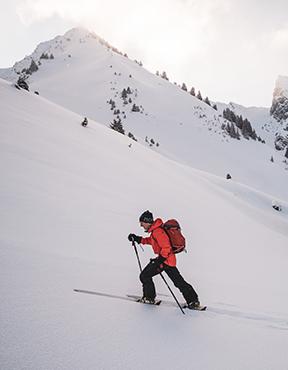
(274,322)
(270,321)
(280,323)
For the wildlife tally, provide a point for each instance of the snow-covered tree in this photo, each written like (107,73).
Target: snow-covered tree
(199,96)
(192,91)
(117,126)
(184,87)
(33,67)
(135,108)
(164,75)
(124,94)
(132,136)
(246,129)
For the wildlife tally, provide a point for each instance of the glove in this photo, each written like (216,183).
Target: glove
(133,237)
(158,260)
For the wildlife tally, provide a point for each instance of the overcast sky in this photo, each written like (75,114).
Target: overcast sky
(231,50)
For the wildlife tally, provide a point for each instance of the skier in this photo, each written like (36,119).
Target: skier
(166,261)
(84,122)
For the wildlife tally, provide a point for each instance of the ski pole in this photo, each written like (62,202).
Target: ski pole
(173,295)
(137,255)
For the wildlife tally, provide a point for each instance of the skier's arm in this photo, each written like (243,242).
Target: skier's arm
(146,240)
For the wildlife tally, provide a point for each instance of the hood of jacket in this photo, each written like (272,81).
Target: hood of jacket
(157,223)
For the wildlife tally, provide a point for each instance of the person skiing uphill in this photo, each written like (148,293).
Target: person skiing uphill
(165,261)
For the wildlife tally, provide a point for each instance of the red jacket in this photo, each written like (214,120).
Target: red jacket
(160,242)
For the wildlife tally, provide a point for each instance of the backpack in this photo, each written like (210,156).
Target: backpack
(177,240)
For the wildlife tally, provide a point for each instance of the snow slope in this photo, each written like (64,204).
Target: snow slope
(86,73)
(69,197)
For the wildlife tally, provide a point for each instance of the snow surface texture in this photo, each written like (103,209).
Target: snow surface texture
(69,197)
(86,73)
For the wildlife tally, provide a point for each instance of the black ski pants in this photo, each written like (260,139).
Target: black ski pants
(153,269)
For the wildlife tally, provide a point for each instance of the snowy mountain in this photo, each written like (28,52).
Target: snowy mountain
(258,116)
(272,122)
(70,196)
(83,73)
(279,112)
(279,109)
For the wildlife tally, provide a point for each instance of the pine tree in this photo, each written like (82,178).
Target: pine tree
(135,108)
(164,75)
(237,134)
(117,126)
(228,128)
(124,94)
(33,67)
(239,122)
(215,106)
(184,87)
(132,136)
(233,131)
(286,154)
(233,116)
(246,129)
(253,135)
(199,96)
(44,56)
(272,159)
(192,91)
(207,101)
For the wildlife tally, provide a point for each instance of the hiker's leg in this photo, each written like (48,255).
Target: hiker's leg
(146,279)
(186,289)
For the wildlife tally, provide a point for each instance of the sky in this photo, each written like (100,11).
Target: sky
(230,50)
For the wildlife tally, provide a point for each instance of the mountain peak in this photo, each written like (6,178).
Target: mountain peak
(281,87)
(78,33)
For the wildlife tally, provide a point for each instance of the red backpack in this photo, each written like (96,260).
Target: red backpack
(177,240)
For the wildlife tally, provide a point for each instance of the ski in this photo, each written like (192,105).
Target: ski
(200,308)
(136,298)
(124,298)
(170,303)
